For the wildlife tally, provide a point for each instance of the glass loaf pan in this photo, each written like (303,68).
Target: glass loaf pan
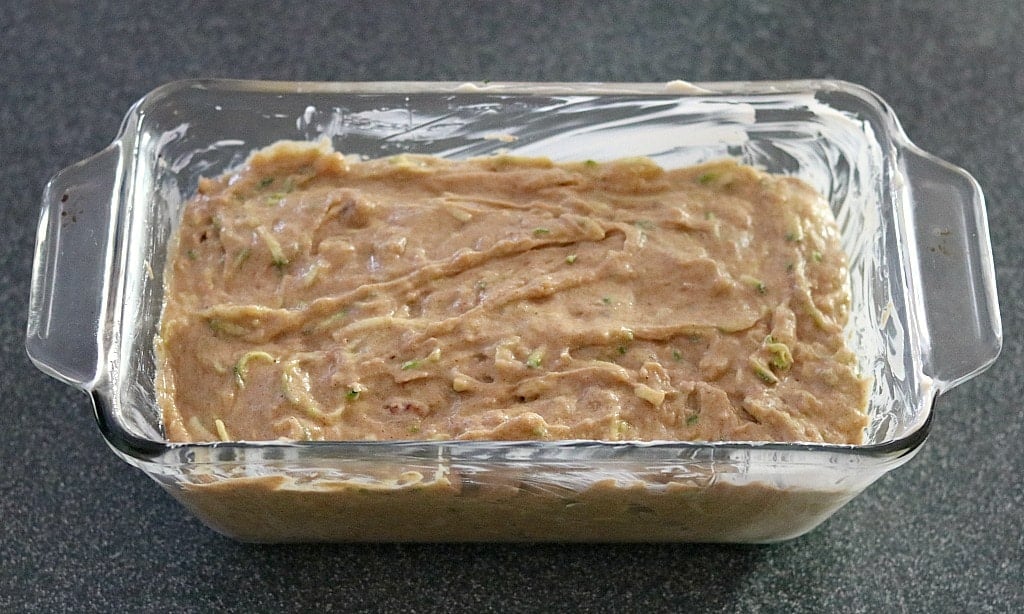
(924,315)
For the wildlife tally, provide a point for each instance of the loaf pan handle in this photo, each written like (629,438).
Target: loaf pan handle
(958,285)
(69,273)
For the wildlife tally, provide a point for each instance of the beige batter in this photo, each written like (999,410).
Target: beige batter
(313,297)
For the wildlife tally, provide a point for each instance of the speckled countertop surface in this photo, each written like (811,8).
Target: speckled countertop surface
(82,531)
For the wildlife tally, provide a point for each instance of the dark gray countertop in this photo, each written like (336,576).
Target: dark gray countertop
(81,530)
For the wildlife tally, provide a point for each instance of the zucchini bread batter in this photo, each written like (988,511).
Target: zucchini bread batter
(310,296)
